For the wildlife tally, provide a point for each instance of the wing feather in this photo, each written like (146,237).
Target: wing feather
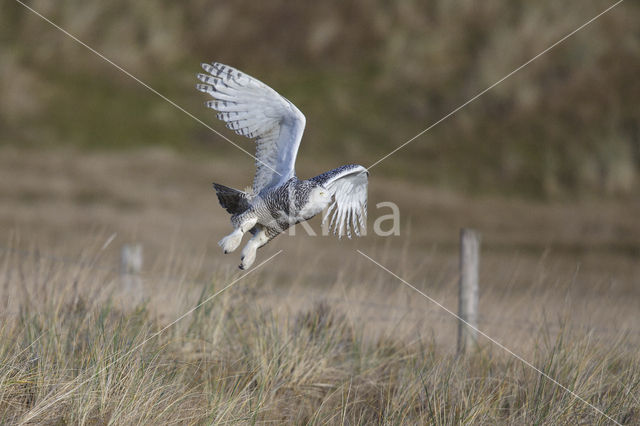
(348,185)
(252,109)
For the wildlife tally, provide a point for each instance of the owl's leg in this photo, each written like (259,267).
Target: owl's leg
(249,251)
(233,240)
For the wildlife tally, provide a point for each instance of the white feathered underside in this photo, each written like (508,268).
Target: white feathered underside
(252,109)
(349,208)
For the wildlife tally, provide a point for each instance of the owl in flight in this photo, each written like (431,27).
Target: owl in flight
(278,199)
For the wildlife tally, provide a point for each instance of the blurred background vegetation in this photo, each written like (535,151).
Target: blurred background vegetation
(368,75)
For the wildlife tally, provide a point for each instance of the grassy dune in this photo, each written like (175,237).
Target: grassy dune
(335,340)
(369,75)
(75,350)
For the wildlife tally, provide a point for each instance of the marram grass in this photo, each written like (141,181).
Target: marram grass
(73,351)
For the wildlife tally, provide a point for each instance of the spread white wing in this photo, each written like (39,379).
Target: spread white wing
(253,109)
(348,185)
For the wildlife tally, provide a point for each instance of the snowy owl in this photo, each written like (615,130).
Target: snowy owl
(278,198)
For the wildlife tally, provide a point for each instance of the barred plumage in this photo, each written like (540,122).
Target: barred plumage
(278,199)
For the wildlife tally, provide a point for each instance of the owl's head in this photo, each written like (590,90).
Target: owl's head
(319,199)
(320,195)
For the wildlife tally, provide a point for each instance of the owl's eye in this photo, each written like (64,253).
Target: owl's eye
(322,193)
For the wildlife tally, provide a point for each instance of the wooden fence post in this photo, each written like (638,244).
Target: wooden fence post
(468,290)
(130,267)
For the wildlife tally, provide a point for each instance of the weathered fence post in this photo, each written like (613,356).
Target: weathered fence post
(130,267)
(468,290)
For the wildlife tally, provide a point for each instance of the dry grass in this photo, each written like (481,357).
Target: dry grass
(332,341)
(76,351)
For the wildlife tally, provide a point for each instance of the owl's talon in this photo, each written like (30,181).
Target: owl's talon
(231,241)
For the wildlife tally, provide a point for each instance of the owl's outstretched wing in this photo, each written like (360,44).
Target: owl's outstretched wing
(348,185)
(253,109)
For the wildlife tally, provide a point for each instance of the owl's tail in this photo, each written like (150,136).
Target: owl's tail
(232,200)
